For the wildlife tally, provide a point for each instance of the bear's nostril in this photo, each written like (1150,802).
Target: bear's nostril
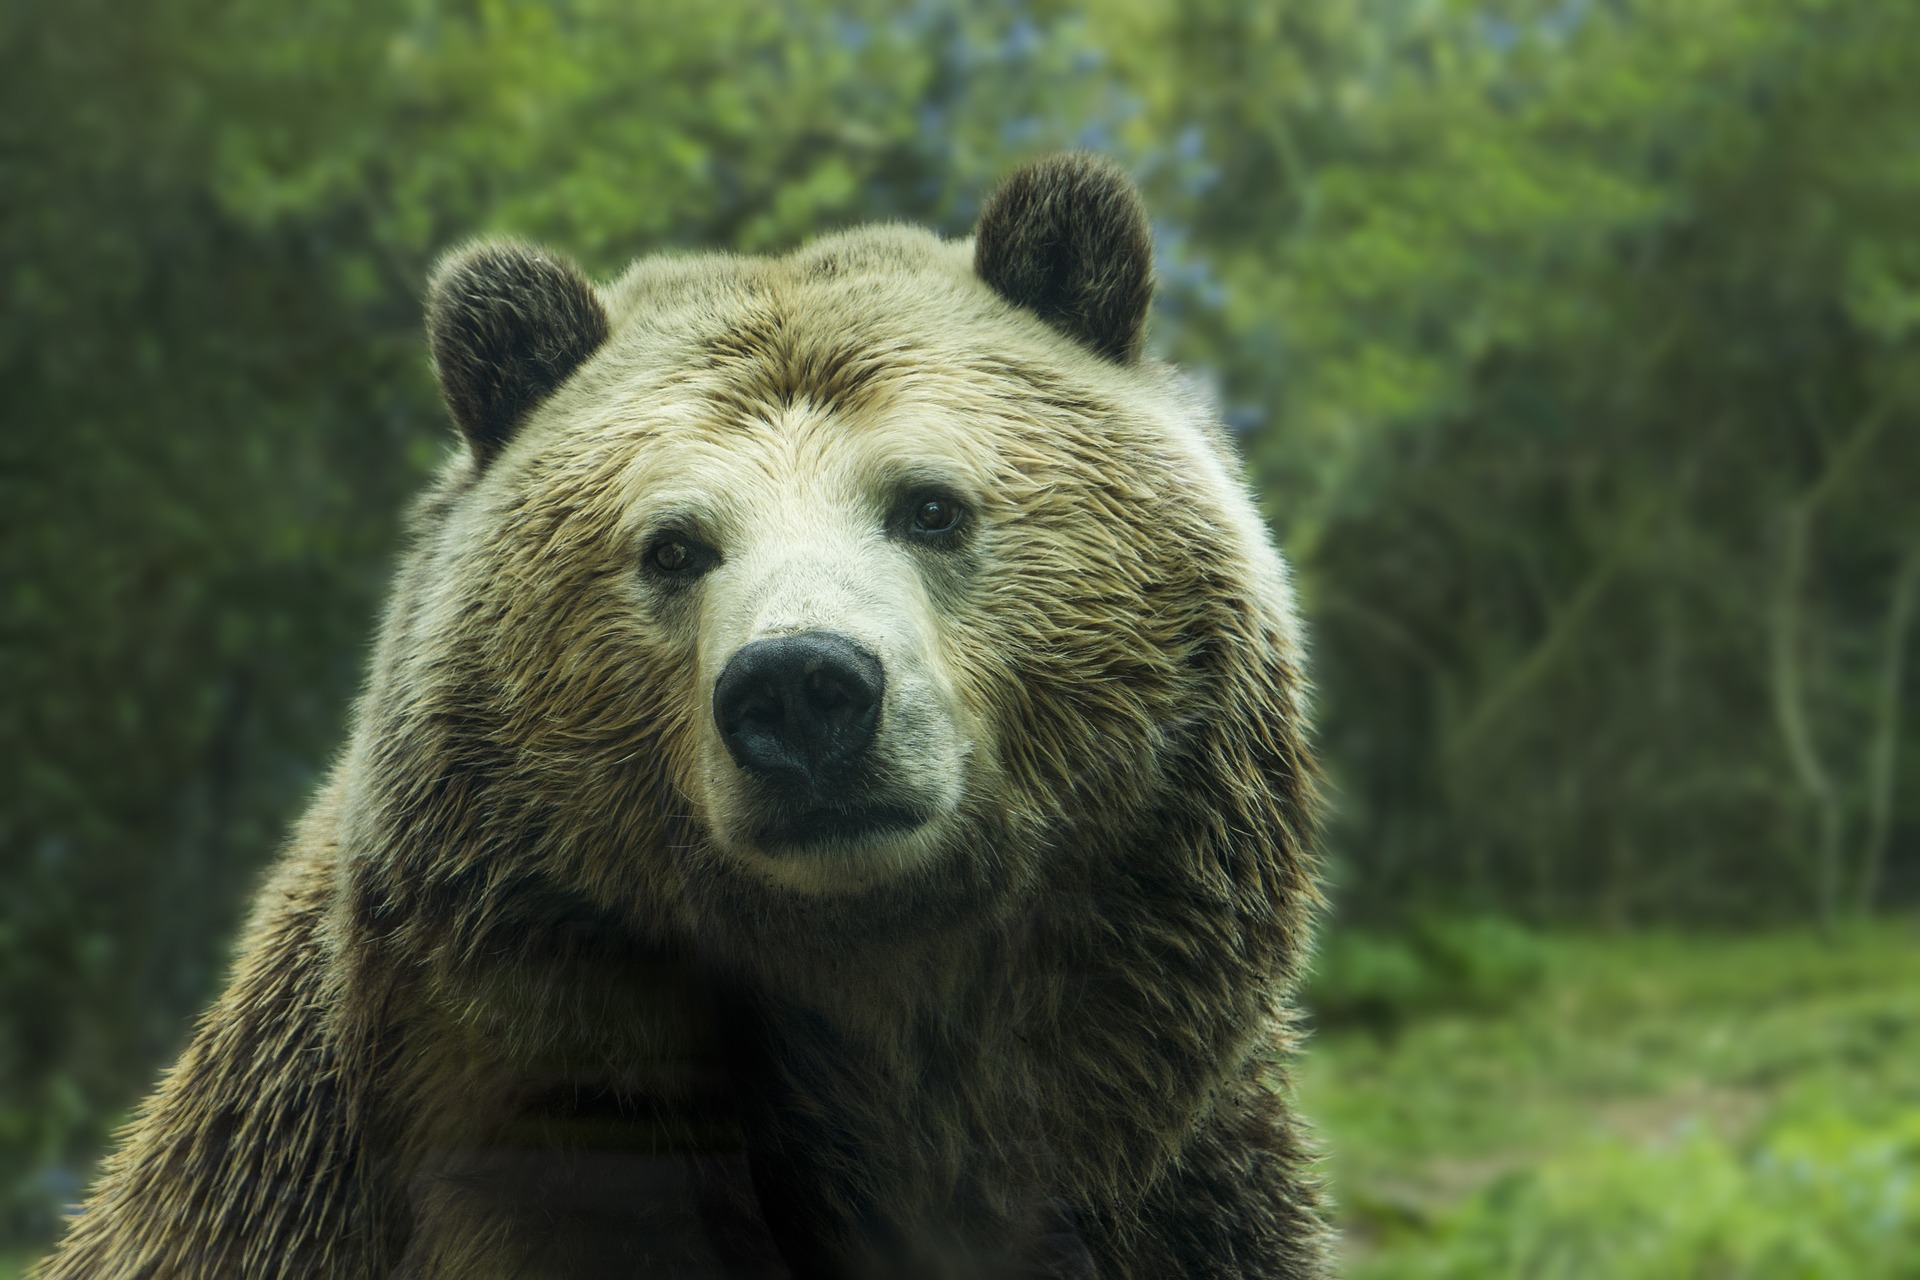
(761,710)
(800,709)
(826,690)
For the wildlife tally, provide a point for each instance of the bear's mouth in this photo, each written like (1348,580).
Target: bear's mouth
(838,825)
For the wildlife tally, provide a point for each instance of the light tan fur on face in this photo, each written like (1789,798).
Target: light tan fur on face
(797,504)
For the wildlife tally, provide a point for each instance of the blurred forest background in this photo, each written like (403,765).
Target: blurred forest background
(1574,347)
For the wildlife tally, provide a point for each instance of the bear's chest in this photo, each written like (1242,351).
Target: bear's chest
(595,1132)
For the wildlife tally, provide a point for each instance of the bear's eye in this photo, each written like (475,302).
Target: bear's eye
(677,557)
(933,515)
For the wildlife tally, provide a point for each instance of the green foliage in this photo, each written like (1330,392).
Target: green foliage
(1656,1106)
(1827,1196)
(1438,963)
(1601,372)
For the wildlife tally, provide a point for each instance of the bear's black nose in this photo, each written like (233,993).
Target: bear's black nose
(799,708)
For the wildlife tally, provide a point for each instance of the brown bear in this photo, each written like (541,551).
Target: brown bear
(830,799)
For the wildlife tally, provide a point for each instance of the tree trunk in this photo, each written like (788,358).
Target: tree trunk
(1883,760)
(1790,712)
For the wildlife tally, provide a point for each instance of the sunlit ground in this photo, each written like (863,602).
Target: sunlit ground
(1652,1107)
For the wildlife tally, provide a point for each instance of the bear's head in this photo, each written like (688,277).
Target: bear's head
(851,594)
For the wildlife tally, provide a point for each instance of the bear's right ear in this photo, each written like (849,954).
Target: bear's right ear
(507,323)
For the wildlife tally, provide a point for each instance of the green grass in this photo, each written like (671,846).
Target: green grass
(1649,1107)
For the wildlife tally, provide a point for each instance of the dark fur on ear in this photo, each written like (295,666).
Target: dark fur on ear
(507,322)
(1067,237)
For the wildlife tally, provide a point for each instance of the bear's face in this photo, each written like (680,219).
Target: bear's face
(806,582)
(836,587)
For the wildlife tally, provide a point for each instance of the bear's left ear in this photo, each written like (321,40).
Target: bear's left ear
(1067,237)
(507,323)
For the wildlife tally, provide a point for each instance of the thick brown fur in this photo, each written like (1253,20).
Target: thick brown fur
(1069,239)
(522,999)
(507,324)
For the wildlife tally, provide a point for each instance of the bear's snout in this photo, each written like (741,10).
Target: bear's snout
(800,711)
(836,739)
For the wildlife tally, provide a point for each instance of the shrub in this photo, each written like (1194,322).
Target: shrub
(1821,1195)
(1437,964)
